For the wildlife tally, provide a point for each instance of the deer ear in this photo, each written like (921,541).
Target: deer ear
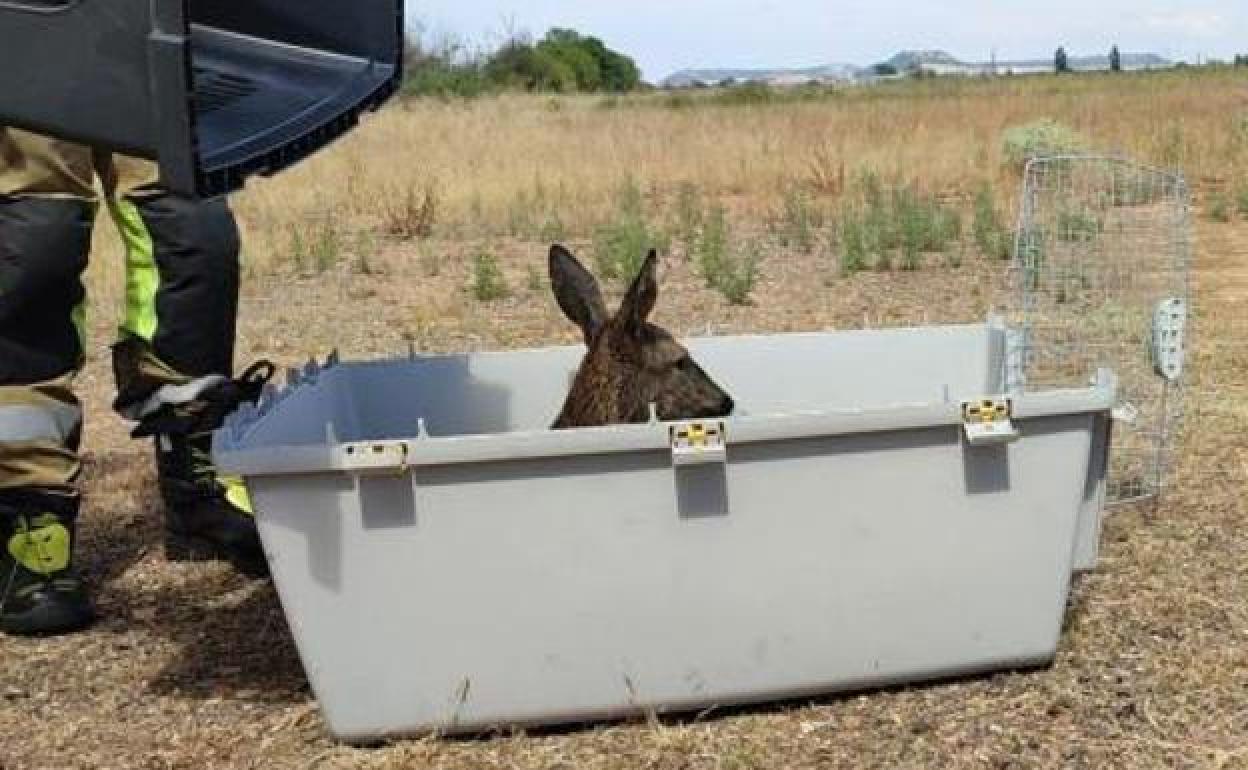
(642,295)
(577,293)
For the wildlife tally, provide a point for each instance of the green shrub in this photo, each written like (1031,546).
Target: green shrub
(1078,226)
(1241,200)
(738,273)
(622,243)
(1041,137)
(677,100)
(799,221)
(990,235)
(914,225)
(1239,129)
(732,272)
(745,95)
(923,225)
(437,75)
(411,213)
(713,246)
(853,243)
(319,248)
(881,229)
(1219,207)
(871,189)
(488,283)
(689,216)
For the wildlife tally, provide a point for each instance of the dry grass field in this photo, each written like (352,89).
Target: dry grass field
(429,227)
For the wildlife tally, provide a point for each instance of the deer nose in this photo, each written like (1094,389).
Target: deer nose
(726,406)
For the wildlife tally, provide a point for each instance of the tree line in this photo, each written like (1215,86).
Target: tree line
(564,61)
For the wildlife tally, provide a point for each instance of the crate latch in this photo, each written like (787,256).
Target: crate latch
(1169,332)
(377,458)
(989,421)
(698,443)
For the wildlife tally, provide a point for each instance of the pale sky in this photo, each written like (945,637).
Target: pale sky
(664,36)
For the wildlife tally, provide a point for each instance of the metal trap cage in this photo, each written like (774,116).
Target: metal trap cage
(1101,271)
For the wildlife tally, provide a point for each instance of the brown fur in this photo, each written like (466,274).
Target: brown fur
(630,363)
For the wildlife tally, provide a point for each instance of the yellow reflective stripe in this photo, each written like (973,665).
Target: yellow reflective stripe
(142,276)
(236,494)
(45,549)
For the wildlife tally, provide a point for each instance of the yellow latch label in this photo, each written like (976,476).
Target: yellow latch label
(987,411)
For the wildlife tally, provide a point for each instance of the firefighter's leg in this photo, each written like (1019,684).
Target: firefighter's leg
(46,212)
(174,359)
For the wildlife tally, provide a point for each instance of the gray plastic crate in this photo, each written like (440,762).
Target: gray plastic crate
(448,564)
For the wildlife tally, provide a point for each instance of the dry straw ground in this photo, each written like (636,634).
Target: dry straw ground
(193,667)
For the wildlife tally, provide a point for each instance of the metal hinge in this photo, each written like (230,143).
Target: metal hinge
(698,443)
(989,421)
(1169,331)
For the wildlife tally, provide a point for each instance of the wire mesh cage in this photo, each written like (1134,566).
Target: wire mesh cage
(1101,271)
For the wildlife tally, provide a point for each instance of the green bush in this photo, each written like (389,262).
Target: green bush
(1241,200)
(1041,137)
(713,245)
(622,243)
(678,100)
(914,225)
(1219,207)
(799,221)
(488,283)
(564,61)
(853,242)
(1078,226)
(688,215)
(990,235)
(411,213)
(738,273)
(318,248)
(745,95)
(880,230)
(444,79)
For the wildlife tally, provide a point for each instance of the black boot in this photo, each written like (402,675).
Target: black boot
(207,516)
(40,594)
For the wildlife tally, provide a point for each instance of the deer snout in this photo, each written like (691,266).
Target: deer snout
(727,405)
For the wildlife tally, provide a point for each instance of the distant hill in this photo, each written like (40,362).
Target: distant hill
(709,77)
(909,60)
(934,62)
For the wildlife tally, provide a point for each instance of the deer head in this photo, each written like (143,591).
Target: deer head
(630,363)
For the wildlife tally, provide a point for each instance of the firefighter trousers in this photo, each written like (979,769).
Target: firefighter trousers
(181,298)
